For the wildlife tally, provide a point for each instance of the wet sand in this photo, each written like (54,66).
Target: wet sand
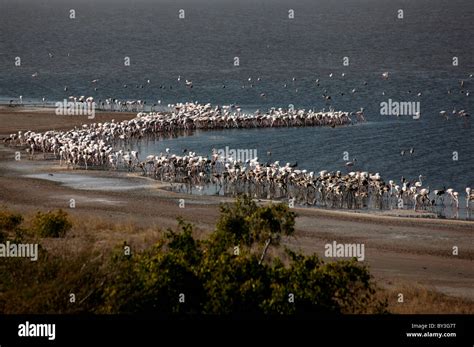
(14,119)
(399,250)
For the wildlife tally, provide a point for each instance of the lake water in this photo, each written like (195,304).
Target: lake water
(288,55)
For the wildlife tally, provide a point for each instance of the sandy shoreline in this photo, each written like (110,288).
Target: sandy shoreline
(14,119)
(398,250)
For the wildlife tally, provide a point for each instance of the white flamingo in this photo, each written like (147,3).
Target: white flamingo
(469,196)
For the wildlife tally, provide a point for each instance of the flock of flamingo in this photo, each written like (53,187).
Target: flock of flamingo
(97,145)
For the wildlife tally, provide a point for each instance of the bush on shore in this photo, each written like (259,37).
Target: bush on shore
(241,268)
(52,224)
(10,223)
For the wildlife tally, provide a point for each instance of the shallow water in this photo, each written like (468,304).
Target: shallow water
(446,211)
(89,182)
(316,149)
(85,182)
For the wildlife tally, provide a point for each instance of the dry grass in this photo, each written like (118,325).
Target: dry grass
(86,248)
(105,234)
(421,300)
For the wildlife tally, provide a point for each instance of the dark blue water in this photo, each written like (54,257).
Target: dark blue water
(417,52)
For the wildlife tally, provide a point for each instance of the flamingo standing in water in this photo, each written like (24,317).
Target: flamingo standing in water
(420,182)
(454,196)
(422,197)
(469,196)
(439,194)
(351,163)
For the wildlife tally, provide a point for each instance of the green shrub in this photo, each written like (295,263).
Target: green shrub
(217,281)
(152,281)
(9,222)
(212,277)
(52,224)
